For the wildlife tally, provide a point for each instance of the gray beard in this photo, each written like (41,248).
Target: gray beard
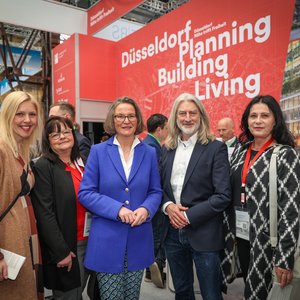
(189,131)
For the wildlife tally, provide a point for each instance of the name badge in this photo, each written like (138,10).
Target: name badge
(87,224)
(242,224)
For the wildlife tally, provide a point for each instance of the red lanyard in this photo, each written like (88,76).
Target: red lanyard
(248,164)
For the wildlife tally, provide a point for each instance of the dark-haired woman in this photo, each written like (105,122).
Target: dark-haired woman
(121,188)
(61,219)
(263,127)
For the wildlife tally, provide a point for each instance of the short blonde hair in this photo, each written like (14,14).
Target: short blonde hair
(8,111)
(204,134)
(109,125)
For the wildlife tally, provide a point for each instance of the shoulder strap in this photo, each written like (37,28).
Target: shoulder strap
(273,196)
(16,198)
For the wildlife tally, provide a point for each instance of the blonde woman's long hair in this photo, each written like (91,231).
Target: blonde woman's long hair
(204,134)
(8,111)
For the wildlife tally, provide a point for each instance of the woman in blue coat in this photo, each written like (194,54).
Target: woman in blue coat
(121,188)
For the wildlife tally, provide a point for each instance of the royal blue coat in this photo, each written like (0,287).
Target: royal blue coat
(103,191)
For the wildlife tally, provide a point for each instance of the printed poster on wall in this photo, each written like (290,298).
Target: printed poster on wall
(63,74)
(224,52)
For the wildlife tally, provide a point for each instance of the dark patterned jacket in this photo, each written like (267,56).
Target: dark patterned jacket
(262,256)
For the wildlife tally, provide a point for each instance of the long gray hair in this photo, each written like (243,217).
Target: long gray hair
(204,134)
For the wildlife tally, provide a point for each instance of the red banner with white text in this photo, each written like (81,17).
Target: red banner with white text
(224,52)
(63,74)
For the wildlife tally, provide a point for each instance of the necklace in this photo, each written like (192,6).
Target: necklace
(69,163)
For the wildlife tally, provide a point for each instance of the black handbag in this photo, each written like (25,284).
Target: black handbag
(24,182)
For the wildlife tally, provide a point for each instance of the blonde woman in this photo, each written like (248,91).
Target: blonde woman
(20,127)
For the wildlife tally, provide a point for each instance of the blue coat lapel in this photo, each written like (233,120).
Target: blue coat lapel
(114,156)
(139,152)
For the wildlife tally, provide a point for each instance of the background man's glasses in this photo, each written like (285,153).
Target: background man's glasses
(57,135)
(121,118)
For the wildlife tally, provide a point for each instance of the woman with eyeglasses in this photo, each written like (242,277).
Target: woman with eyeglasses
(21,126)
(121,188)
(62,221)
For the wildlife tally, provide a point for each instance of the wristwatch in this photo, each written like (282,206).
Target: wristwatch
(1,256)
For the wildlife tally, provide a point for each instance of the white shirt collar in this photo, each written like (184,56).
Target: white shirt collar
(127,164)
(190,142)
(136,141)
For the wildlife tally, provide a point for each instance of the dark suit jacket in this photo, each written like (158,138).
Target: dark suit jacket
(54,203)
(84,145)
(150,140)
(206,191)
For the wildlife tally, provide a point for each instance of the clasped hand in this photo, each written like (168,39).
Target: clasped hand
(134,218)
(284,277)
(176,215)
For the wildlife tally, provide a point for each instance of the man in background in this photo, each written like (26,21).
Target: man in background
(226,132)
(157,126)
(66,110)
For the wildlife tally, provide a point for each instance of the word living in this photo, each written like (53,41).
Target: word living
(192,64)
(228,87)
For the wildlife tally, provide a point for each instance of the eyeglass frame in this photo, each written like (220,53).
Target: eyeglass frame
(57,135)
(130,118)
(183,114)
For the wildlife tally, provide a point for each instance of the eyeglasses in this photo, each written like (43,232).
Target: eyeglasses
(121,118)
(57,135)
(184,114)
